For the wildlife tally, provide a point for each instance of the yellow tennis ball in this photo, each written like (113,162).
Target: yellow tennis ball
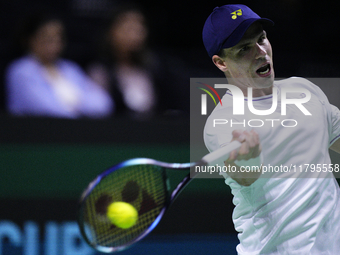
(122,214)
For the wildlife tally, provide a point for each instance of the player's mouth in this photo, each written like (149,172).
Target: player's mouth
(264,70)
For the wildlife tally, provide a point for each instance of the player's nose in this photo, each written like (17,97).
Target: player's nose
(260,51)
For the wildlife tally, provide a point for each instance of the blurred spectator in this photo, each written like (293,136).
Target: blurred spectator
(41,83)
(138,79)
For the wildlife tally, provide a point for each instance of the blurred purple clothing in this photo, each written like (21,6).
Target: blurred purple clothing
(30,92)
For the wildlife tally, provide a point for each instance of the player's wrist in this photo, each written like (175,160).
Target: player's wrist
(250,163)
(247,171)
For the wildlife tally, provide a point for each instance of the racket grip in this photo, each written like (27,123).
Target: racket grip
(221,154)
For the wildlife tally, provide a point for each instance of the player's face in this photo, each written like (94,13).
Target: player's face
(249,63)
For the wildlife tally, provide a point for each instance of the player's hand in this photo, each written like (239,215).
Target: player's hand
(250,148)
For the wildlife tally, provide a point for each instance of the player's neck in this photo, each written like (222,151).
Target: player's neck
(256,92)
(259,89)
(259,92)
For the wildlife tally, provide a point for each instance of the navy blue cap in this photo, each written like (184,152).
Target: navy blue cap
(226,25)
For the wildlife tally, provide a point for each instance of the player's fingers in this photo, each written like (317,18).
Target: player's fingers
(232,156)
(243,152)
(255,144)
(251,146)
(238,135)
(255,136)
(251,140)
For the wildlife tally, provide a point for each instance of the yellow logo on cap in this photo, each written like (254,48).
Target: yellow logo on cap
(236,13)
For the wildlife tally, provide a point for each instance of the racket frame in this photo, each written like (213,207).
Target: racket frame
(170,196)
(208,160)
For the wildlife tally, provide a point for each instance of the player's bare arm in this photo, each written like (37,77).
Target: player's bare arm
(250,148)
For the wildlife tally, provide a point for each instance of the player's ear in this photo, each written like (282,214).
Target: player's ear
(220,63)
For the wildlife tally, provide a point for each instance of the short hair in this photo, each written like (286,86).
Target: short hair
(222,53)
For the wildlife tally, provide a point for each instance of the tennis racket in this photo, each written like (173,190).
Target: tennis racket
(143,183)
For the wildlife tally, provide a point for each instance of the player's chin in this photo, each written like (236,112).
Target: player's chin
(265,82)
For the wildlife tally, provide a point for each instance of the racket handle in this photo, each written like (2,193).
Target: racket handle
(221,154)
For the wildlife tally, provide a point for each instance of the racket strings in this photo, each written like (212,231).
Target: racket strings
(142,186)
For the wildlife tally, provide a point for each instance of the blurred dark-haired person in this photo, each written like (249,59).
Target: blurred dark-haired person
(42,83)
(137,76)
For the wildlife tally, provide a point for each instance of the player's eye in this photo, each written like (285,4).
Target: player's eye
(262,38)
(244,48)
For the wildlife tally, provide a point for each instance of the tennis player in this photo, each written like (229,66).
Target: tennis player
(291,204)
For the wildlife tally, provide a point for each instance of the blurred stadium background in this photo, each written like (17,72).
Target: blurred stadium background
(46,163)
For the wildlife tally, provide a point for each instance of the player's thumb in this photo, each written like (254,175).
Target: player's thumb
(238,135)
